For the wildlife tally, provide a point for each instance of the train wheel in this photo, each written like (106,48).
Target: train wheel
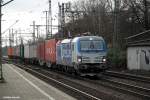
(41,63)
(49,65)
(76,69)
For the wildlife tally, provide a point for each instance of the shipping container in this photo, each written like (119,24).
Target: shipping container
(21,51)
(14,53)
(41,52)
(4,52)
(17,51)
(50,52)
(10,52)
(26,51)
(33,50)
(33,53)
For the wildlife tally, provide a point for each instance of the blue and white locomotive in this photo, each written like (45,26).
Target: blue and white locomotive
(84,55)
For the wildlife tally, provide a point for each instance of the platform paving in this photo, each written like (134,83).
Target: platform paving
(20,85)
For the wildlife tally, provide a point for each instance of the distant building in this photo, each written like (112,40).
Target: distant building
(138,51)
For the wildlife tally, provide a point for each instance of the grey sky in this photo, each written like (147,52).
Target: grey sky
(26,11)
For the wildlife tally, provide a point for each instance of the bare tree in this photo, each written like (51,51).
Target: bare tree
(97,17)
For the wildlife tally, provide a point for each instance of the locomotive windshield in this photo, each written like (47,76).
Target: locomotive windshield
(91,45)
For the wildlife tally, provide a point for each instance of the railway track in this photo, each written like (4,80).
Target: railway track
(126,88)
(128,76)
(135,89)
(143,93)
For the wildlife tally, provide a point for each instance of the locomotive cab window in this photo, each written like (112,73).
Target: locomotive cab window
(91,45)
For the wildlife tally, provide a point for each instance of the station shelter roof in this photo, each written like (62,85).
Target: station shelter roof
(141,39)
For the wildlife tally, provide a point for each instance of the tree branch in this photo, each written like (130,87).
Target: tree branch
(6,3)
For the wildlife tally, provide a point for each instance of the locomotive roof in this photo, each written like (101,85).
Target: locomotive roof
(66,41)
(86,37)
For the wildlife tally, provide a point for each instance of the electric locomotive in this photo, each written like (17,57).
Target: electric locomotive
(84,55)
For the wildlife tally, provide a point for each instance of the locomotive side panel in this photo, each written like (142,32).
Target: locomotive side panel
(58,53)
(66,52)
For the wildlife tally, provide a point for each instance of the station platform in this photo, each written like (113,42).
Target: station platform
(20,85)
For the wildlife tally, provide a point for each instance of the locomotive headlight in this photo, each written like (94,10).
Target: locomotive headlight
(79,58)
(104,59)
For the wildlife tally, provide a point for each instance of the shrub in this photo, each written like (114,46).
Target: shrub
(116,58)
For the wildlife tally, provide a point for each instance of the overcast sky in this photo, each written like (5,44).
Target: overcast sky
(26,11)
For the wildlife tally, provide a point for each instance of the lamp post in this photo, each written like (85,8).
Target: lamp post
(1,71)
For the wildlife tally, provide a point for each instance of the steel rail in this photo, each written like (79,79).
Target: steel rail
(128,76)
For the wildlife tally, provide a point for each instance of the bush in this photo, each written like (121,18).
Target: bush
(116,58)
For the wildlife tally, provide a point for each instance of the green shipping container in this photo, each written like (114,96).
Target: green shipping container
(22,51)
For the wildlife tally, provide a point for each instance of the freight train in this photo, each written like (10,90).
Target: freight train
(82,55)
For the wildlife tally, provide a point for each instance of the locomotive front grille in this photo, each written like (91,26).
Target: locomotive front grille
(98,59)
(85,60)
(91,59)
